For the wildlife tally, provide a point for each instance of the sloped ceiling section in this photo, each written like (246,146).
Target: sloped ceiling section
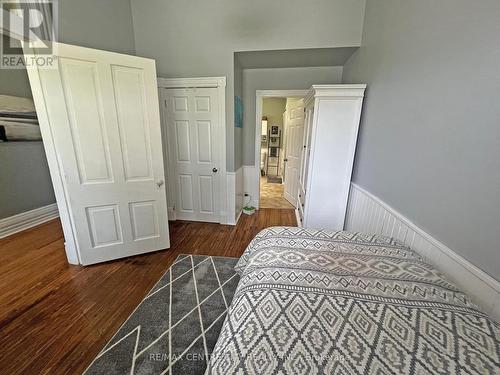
(294,58)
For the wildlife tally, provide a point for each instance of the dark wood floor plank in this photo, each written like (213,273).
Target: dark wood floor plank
(55,318)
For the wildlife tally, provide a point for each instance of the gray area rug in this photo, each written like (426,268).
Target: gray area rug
(175,328)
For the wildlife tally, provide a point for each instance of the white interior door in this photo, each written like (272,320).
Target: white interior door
(99,117)
(195,143)
(294,139)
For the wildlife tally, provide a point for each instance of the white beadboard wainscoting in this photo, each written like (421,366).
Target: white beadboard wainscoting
(367,213)
(239,186)
(231,198)
(28,219)
(234,196)
(251,184)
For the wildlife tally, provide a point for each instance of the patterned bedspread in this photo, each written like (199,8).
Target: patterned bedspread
(320,302)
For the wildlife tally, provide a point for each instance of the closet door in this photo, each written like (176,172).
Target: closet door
(194,136)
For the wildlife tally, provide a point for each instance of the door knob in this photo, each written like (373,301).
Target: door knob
(215,170)
(285,159)
(160,183)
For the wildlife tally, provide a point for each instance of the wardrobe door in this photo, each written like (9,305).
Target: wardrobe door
(306,153)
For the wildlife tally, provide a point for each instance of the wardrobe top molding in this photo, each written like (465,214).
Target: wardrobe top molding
(335,91)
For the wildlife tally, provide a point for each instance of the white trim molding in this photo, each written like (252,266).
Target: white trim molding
(259,96)
(15,28)
(338,91)
(369,214)
(28,219)
(172,83)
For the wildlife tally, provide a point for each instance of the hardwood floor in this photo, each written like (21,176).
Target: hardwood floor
(55,318)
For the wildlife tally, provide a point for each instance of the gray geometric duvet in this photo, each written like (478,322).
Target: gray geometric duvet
(320,302)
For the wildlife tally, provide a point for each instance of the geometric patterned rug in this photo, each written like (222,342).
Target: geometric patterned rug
(175,327)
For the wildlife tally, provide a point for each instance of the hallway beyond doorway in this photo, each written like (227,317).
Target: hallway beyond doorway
(271,195)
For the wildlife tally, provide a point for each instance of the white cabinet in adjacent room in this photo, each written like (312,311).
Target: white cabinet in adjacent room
(331,130)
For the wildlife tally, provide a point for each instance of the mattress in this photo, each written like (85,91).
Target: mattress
(321,302)
(18,120)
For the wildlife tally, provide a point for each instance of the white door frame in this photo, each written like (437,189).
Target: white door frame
(259,96)
(197,82)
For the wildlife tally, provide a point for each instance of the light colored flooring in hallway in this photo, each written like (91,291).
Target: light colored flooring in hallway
(271,195)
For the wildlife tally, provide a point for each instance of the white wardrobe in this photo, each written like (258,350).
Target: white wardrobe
(331,130)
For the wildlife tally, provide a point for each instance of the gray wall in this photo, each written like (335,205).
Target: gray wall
(429,143)
(199,37)
(100,24)
(24,178)
(273,109)
(277,79)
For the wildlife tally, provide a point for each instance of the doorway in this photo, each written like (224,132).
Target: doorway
(279,136)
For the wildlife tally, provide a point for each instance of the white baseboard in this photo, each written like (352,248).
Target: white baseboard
(28,219)
(367,213)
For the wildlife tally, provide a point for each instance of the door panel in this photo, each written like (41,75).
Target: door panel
(132,122)
(186,204)
(183,144)
(191,119)
(103,119)
(202,103)
(86,120)
(206,194)
(295,129)
(204,144)
(104,224)
(144,220)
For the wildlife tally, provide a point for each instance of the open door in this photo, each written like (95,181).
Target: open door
(295,130)
(99,118)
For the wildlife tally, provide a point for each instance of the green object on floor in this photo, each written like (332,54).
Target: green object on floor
(249,210)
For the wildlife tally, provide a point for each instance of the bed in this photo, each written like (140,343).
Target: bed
(321,302)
